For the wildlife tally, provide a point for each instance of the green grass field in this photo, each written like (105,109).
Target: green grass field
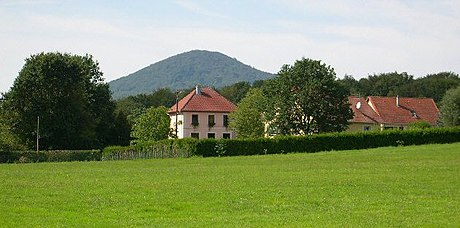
(395,186)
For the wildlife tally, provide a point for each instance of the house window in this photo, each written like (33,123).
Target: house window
(211,135)
(226,135)
(195,135)
(195,120)
(211,121)
(367,128)
(225,121)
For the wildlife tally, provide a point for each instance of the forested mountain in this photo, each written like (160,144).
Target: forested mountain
(185,71)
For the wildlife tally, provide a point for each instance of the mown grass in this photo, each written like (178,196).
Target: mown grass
(394,186)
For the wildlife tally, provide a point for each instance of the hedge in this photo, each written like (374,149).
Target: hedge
(49,156)
(279,145)
(158,149)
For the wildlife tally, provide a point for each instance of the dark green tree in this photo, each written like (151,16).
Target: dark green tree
(235,92)
(450,108)
(67,92)
(153,125)
(351,84)
(247,119)
(132,106)
(432,86)
(305,98)
(388,84)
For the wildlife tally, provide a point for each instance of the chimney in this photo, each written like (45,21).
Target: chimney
(197,90)
(397,101)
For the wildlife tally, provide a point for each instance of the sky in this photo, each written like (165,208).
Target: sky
(355,37)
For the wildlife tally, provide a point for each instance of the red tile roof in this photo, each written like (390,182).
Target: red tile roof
(409,109)
(385,110)
(365,113)
(207,101)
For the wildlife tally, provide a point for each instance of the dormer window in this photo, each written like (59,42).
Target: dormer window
(414,115)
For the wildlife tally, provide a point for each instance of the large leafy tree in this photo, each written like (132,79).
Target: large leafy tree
(247,119)
(450,108)
(69,96)
(305,98)
(153,125)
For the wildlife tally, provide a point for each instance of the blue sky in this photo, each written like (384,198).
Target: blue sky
(356,37)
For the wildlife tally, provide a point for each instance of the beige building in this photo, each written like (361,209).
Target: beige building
(203,113)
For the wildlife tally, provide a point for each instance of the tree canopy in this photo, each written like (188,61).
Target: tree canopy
(69,96)
(305,98)
(392,84)
(247,119)
(152,125)
(450,108)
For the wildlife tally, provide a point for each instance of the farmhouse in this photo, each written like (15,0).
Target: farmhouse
(203,113)
(379,113)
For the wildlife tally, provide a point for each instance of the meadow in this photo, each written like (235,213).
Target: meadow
(391,186)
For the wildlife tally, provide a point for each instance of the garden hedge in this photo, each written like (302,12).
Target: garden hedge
(49,156)
(279,145)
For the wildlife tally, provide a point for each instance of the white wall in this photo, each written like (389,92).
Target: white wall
(185,129)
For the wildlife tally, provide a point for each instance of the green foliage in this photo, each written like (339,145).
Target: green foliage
(153,125)
(305,99)
(388,84)
(247,119)
(185,71)
(8,141)
(284,144)
(67,92)
(49,156)
(235,92)
(391,84)
(432,86)
(421,124)
(450,108)
(327,142)
(132,104)
(155,149)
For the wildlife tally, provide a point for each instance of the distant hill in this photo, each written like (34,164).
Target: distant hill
(185,71)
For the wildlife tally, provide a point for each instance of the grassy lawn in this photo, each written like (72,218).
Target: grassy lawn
(395,186)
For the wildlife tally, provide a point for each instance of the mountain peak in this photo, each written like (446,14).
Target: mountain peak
(185,70)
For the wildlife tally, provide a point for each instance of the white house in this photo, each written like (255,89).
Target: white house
(203,113)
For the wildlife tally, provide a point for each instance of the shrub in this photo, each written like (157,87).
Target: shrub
(49,156)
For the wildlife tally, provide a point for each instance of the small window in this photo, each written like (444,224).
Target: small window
(211,135)
(226,135)
(195,135)
(211,121)
(225,121)
(195,120)
(367,128)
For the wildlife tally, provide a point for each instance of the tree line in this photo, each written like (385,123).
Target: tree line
(66,95)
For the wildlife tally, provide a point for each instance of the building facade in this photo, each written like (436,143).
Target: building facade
(203,113)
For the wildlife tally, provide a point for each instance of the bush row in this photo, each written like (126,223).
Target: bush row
(278,145)
(49,156)
(327,142)
(158,149)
